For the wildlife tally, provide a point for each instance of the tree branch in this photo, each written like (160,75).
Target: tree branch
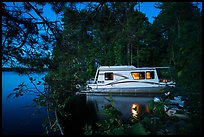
(25,38)
(6,14)
(36,87)
(46,22)
(58,124)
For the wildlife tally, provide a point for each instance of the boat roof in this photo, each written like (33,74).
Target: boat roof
(126,68)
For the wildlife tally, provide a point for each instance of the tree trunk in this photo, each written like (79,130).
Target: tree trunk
(138,57)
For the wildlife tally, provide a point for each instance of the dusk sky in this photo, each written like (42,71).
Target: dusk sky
(146,7)
(149,9)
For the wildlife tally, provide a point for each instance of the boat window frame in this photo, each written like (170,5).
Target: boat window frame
(108,73)
(143,78)
(150,74)
(96,77)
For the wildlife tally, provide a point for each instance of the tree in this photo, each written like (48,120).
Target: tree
(27,42)
(100,33)
(180,25)
(25,39)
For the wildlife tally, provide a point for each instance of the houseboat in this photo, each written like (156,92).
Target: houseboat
(130,88)
(127,79)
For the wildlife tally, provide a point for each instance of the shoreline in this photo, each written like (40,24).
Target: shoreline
(23,69)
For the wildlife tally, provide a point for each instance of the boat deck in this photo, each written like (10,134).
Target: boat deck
(122,92)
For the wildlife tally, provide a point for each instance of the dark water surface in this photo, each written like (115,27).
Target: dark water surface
(19,117)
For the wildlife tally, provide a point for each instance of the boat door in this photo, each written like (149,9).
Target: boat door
(100,82)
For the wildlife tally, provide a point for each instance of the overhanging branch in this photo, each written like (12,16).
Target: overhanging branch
(46,22)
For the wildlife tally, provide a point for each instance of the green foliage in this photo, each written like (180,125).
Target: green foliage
(153,121)
(23,46)
(181,24)
(19,91)
(40,100)
(113,125)
(137,129)
(102,34)
(88,130)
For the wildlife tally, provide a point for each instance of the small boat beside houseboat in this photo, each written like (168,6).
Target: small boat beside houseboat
(127,79)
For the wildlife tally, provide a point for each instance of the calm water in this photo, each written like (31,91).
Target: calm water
(18,114)
(19,117)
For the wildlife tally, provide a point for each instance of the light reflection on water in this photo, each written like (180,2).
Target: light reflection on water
(18,114)
(125,104)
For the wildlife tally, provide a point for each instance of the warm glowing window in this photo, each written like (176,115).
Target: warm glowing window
(150,75)
(108,76)
(138,75)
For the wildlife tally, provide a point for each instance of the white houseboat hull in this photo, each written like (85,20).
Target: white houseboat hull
(127,80)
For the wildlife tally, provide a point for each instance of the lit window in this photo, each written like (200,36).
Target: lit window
(138,75)
(150,75)
(108,76)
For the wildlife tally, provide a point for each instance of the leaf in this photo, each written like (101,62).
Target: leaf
(9,96)
(167,102)
(15,89)
(151,105)
(20,94)
(118,131)
(138,129)
(22,84)
(16,95)
(39,82)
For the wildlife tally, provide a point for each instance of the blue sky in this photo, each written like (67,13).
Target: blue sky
(149,9)
(146,7)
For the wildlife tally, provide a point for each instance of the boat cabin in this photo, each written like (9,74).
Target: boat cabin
(125,77)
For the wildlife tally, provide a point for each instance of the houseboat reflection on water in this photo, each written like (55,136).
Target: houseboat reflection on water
(129,88)
(129,106)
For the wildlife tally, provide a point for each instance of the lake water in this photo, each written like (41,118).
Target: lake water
(19,117)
